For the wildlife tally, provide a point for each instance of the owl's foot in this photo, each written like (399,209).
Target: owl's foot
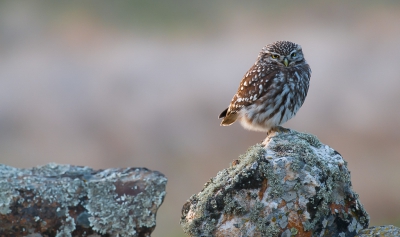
(278,129)
(282,129)
(273,132)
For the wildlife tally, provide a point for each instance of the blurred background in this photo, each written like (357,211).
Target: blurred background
(141,83)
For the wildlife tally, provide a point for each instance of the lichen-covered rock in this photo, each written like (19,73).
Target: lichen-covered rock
(65,200)
(290,185)
(381,231)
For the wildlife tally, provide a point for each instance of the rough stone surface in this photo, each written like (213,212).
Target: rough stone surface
(65,200)
(381,231)
(290,185)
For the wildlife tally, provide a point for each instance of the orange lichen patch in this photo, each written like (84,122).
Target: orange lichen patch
(337,208)
(227,217)
(282,204)
(290,175)
(226,232)
(295,221)
(264,187)
(349,203)
(235,162)
(221,233)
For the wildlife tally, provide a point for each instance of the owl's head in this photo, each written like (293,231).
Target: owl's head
(284,53)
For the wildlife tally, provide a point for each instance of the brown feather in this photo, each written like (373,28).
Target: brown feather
(257,75)
(229,119)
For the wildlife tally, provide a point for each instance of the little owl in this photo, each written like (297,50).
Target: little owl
(273,90)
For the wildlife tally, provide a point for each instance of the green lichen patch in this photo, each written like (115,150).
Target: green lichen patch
(65,200)
(216,197)
(381,231)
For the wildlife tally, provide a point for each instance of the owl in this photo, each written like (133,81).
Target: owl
(272,91)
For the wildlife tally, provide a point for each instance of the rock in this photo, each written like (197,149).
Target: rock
(65,200)
(291,184)
(381,231)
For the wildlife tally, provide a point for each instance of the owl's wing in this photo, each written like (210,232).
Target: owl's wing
(254,85)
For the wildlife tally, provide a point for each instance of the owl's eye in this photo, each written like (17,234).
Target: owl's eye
(274,56)
(293,55)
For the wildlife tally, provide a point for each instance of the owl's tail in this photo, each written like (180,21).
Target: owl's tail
(228,117)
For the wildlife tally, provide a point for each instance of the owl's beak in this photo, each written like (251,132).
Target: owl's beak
(286,61)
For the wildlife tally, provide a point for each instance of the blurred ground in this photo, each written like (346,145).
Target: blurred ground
(141,83)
